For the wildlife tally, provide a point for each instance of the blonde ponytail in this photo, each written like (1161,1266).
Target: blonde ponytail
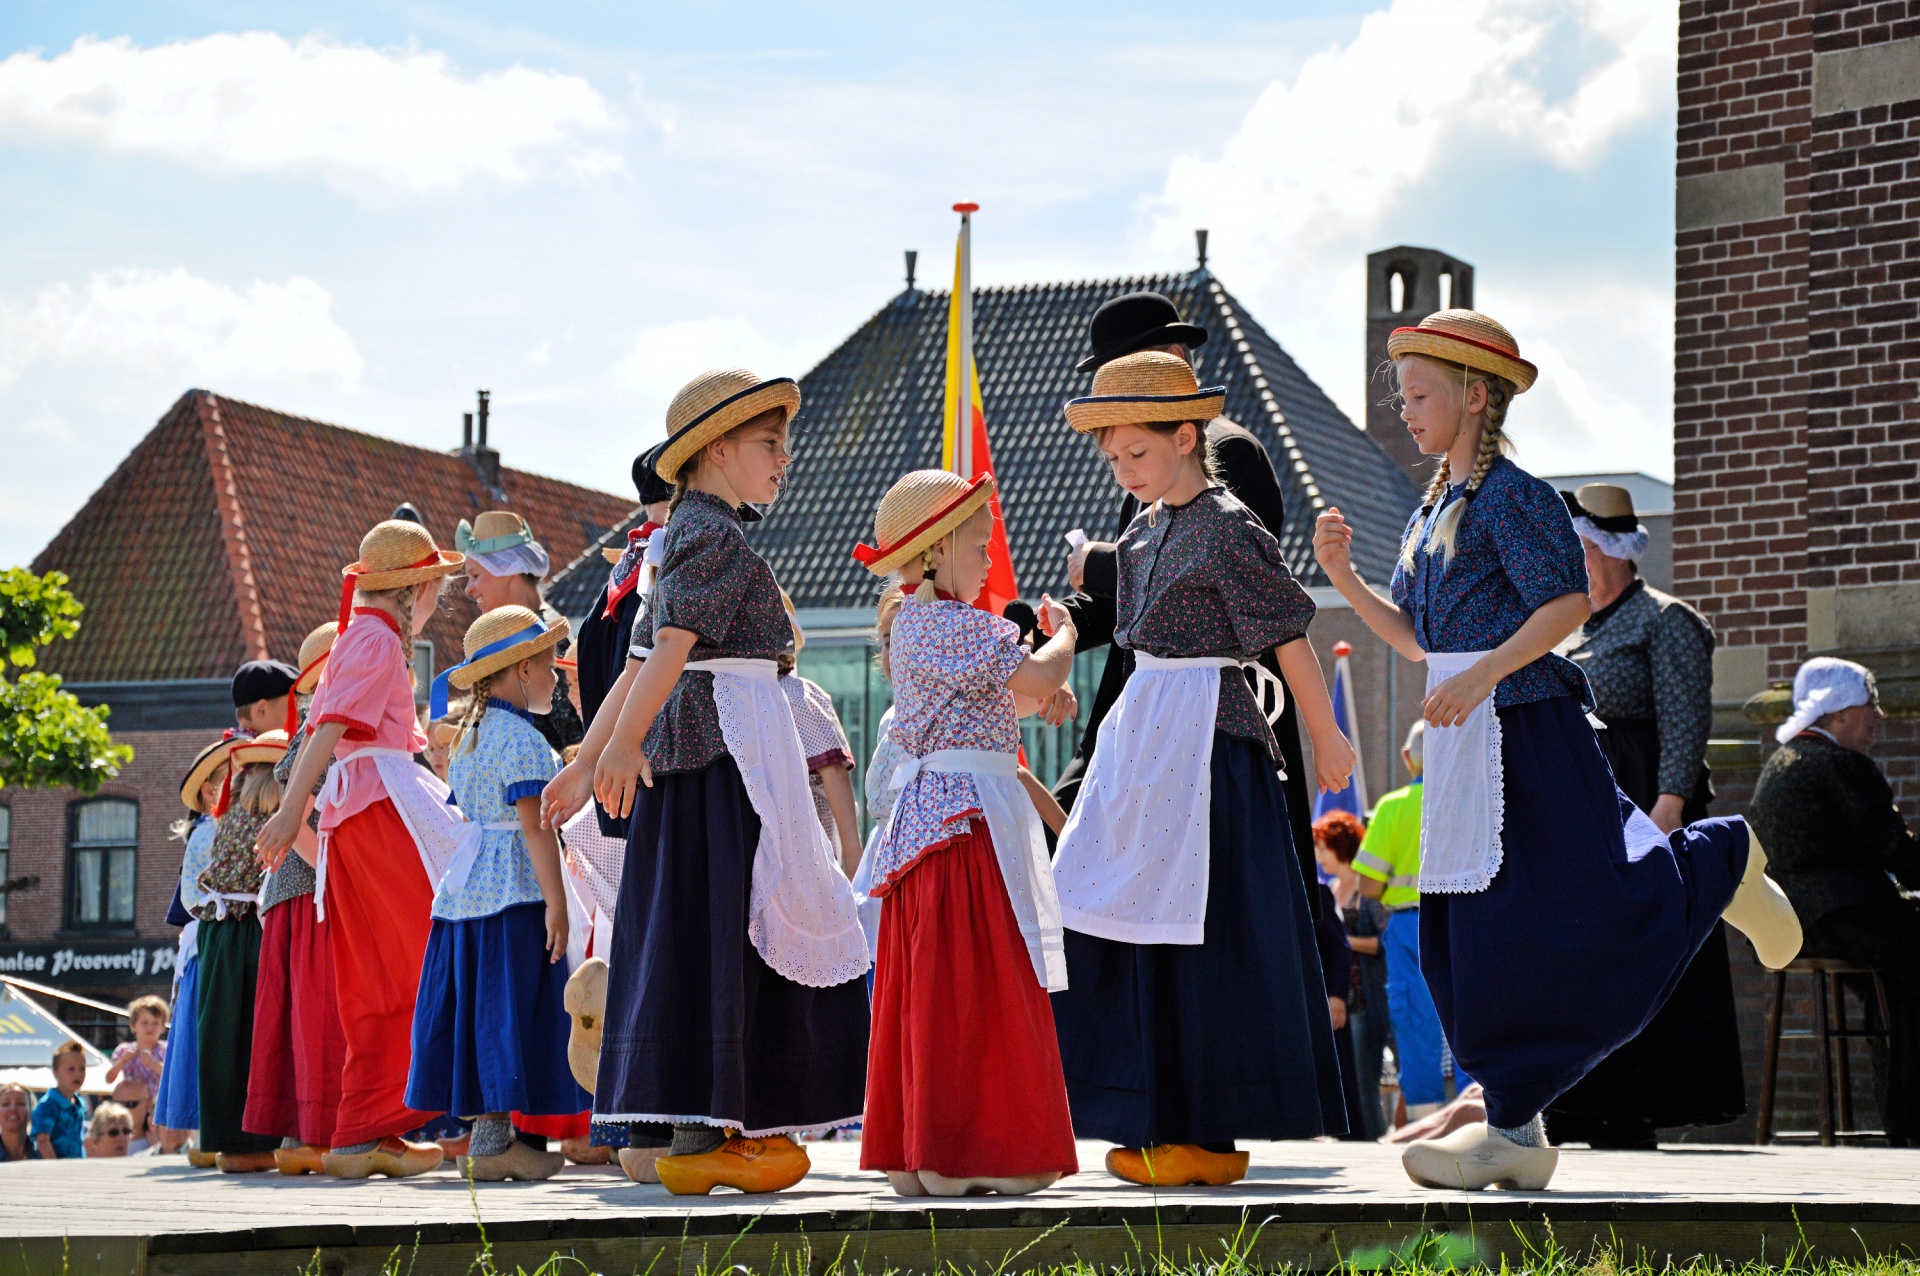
(927,591)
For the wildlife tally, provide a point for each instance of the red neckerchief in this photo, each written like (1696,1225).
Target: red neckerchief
(617,594)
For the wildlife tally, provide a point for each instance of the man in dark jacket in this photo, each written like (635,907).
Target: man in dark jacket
(1837,845)
(1125,325)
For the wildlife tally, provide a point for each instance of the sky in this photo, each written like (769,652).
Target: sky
(361,212)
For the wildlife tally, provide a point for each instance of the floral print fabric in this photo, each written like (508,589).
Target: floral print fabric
(951,662)
(508,760)
(1515,549)
(1207,579)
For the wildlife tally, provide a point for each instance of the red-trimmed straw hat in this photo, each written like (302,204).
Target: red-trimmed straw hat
(916,512)
(1466,337)
(394,554)
(205,764)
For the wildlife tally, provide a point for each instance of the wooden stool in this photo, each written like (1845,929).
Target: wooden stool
(1831,1035)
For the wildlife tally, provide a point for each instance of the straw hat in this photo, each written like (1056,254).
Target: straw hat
(1470,338)
(314,650)
(397,553)
(268,746)
(209,760)
(498,626)
(712,404)
(917,512)
(1138,388)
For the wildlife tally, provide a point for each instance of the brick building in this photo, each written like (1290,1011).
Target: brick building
(1797,372)
(219,539)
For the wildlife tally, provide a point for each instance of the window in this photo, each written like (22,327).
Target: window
(6,857)
(101,863)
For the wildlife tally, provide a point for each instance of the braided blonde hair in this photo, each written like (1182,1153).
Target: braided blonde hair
(468,732)
(1493,445)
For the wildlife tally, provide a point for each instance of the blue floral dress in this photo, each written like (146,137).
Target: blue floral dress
(1606,910)
(489,1025)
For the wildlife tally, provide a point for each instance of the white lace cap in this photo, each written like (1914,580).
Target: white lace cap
(1623,545)
(1825,685)
(529,559)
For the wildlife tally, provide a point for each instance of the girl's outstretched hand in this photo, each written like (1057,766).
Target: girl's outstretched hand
(565,794)
(1451,701)
(1333,543)
(1332,762)
(1053,616)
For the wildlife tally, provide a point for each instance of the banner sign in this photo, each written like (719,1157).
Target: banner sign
(124,961)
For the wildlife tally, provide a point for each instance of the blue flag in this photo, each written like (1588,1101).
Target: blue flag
(1353,798)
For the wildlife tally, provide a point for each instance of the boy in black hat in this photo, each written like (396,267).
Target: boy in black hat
(1126,325)
(260,691)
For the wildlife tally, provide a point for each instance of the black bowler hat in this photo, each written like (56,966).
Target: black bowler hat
(1133,322)
(646,482)
(259,680)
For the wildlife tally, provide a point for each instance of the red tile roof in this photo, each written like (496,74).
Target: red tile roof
(221,536)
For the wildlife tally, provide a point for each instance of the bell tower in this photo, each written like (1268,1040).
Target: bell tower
(1404,286)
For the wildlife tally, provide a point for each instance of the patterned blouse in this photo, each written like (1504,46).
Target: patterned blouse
(235,869)
(713,584)
(951,662)
(881,795)
(504,760)
(194,861)
(821,739)
(1206,579)
(1514,551)
(294,877)
(1648,655)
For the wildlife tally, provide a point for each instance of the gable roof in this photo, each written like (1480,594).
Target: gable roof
(871,411)
(221,536)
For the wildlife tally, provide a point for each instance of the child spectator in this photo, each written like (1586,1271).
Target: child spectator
(60,1117)
(142,1058)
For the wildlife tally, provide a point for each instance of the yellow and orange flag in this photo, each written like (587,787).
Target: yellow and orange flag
(963,446)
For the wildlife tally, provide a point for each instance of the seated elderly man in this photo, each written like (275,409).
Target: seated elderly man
(1841,851)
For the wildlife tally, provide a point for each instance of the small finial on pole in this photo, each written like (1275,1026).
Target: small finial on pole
(912,257)
(1200,238)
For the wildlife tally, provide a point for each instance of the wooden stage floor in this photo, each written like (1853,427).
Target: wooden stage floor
(1308,1204)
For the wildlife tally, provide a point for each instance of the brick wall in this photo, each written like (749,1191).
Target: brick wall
(1797,367)
(1740,327)
(1863,302)
(40,832)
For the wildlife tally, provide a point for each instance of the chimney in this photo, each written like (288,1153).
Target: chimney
(912,258)
(1404,286)
(484,460)
(1200,239)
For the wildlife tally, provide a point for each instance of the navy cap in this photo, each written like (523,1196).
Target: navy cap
(259,680)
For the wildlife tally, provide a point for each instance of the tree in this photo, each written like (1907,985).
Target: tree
(48,739)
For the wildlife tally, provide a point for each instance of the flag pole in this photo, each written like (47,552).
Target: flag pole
(963,424)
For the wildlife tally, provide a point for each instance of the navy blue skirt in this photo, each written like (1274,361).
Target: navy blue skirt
(699,1029)
(1580,938)
(1222,1040)
(489,1026)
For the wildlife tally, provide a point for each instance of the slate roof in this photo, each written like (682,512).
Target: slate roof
(871,411)
(221,536)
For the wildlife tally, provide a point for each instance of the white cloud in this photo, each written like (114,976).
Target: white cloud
(1371,134)
(367,120)
(86,368)
(664,358)
(134,322)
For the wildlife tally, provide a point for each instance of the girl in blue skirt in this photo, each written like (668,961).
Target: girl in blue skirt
(736,1004)
(176,1109)
(1195,1012)
(489,1027)
(1555,917)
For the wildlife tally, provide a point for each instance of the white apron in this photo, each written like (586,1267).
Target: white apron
(420,798)
(1019,846)
(801,914)
(1133,858)
(473,839)
(1464,799)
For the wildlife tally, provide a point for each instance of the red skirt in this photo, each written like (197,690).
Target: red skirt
(380,910)
(293,1090)
(963,1068)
